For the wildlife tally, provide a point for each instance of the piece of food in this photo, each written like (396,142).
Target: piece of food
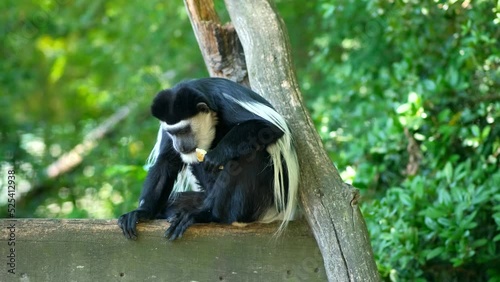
(200,154)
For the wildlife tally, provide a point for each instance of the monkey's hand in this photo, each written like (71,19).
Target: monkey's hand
(128,222)
(179,224)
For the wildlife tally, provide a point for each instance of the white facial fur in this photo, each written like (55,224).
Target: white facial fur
(203,128)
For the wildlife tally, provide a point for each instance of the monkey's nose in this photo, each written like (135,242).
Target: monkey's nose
(187,150)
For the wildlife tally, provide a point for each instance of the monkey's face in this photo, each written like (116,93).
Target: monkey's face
(189,134)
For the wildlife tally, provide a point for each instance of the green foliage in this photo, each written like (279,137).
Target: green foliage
(68,65)
(403,93)
(405,97)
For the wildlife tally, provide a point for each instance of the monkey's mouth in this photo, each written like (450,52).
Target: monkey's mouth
(187,152)
(189,157)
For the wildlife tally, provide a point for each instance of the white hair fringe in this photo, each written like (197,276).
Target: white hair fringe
(283,149)
(182,183)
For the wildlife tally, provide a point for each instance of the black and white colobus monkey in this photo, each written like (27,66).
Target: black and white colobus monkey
(250,172)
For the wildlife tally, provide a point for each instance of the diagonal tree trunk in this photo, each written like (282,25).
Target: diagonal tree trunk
(330,205)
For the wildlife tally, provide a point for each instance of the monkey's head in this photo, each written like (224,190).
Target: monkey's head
(186,116)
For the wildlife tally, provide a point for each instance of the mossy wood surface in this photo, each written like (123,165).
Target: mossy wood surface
(95,250)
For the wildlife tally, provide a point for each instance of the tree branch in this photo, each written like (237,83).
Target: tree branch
(219,44)
(74,157)
(336,220)
(330,205)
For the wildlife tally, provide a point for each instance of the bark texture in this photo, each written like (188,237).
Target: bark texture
(219,44)
(330,205)
(95,250)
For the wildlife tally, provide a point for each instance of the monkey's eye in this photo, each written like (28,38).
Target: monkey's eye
(180,131)
(184,131)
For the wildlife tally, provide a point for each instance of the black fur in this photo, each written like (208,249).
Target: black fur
(242,191)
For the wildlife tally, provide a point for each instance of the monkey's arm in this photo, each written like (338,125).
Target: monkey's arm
(243,139)
(157,188)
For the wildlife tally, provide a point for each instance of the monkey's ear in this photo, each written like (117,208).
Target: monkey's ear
(202,107)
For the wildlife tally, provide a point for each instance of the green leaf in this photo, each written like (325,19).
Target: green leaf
(475,130)
(430,223)
(433,212)
(434,253)
(444,221)
(470,225)
(413,98)
(429,85)
(405,199)
(453,76)
(418,189)
(479,243)
(444,196)
(486,132)
(448,172)
(404,108)
(459,211)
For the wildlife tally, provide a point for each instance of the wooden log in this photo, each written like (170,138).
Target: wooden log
(95,250)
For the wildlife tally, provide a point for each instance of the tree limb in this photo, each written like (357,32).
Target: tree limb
(330,208)
(74,157)
(329,204)
(219,44)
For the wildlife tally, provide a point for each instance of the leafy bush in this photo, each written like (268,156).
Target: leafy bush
(403,93)
(405,96)
(67,66)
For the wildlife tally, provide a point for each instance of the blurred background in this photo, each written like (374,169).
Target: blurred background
(405,95)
